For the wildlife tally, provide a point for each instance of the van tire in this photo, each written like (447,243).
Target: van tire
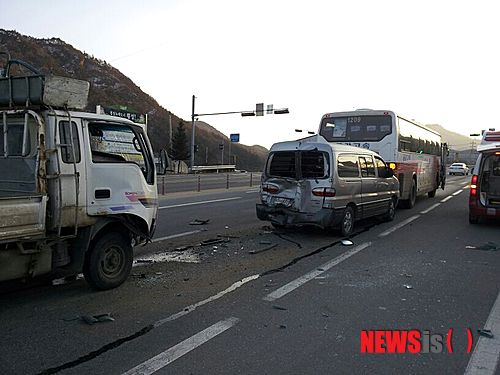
(473,219)
(347,222)
(108,262)
(391,211)
(410,202)
(431,194)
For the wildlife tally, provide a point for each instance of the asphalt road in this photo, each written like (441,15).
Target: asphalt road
(299,307)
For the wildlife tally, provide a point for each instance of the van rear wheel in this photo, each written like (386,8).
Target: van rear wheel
(347,222)
(391,211)
(109,261)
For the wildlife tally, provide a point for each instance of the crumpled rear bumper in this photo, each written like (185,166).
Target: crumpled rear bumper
(323,218)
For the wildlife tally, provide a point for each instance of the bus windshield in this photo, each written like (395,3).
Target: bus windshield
(356,128)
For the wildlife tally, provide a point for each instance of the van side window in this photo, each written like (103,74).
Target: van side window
(66,135)
(380,164)
(347,166)
(367,166)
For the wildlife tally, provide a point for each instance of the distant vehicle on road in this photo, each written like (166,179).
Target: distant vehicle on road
(415,152)
(314,182)
(458,168)
(484,197)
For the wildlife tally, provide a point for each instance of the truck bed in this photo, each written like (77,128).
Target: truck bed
(22,217)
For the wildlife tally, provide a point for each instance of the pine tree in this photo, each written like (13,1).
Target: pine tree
(180,148)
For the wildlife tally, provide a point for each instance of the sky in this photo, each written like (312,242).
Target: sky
(433,61)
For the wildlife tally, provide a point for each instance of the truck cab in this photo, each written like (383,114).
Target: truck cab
(77,189)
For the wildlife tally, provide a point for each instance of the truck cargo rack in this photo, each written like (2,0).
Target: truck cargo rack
(37,89)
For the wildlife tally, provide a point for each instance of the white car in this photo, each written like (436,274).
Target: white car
(458,168)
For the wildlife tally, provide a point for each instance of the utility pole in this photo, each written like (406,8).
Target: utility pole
(206,155)
(170,132)
(191,164)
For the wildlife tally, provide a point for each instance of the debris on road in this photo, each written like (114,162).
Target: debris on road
(282,326)
(227,236)
(199,222)
(93,319)
(276,307)
(139,275)
(212,241)
(265,242)
(263,249)
(488,246)
(407,286)
(144,261)
(183,248)
(405,275)
(485,333)
(346,242)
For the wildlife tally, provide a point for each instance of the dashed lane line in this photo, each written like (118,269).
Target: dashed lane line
(291,286)
(175,352)
(430,208)
(399,225)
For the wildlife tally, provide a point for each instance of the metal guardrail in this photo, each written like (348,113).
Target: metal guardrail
(206,181)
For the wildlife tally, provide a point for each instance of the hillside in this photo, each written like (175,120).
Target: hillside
(455,141)
(110,88)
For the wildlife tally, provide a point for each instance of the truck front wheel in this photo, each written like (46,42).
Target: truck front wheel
(109,261)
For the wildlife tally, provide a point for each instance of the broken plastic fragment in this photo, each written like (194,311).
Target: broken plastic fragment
(485,332)
(407,286)
(199,222)
(346,242)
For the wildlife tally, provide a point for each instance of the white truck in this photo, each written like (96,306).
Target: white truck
(77,190)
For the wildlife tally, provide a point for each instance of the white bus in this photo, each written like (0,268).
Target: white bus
(415,152)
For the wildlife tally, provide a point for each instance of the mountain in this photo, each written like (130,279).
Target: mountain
(110,88)
(455,141)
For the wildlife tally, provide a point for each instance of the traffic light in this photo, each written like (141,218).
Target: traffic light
(196,148)
(221,146)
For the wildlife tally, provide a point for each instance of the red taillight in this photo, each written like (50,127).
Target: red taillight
(269,188)
(473,186)
(323,192)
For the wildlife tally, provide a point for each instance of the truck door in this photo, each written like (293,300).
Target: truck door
(67,171)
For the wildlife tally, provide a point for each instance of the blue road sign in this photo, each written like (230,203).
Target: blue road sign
(235,138)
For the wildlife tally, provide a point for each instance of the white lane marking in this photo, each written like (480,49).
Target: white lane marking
(457,192)
(446,199)
(175,352)
(253,191)
(193,307)
(430,208)
(484,359)
(175,236)
(397,226)
(278,293)
(466,186)
(202,202)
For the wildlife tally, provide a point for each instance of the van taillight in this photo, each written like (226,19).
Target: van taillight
(323,192)
(473,186)
(269,188)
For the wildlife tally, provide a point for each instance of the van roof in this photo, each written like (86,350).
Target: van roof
(320,143)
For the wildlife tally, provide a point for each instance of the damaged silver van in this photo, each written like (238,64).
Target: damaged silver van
(313,182)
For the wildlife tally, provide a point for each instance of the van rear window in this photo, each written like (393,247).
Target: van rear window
(298,164)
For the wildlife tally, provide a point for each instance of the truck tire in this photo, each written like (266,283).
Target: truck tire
(109,261)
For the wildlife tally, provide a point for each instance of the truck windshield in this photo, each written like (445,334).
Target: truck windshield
(120,143)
